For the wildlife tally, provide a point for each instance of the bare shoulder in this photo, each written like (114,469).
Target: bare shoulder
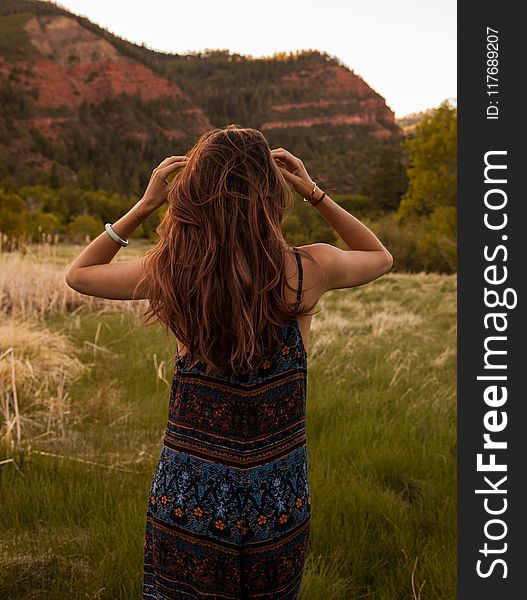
(333,268)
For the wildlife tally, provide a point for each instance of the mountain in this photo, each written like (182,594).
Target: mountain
(86,107)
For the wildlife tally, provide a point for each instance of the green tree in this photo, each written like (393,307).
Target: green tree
(82,226)
(430,201)
(40,197)
(433,172)
(12,213)
(54,177)
(38,223)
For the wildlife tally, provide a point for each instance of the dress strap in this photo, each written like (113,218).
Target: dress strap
(300,276)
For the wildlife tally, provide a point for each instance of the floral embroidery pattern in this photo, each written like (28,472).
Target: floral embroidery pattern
(228,504)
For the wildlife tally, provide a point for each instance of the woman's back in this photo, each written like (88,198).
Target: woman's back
(231,486)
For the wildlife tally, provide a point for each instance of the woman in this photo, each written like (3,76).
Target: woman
(229,507)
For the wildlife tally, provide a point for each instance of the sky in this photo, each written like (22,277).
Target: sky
(405,50)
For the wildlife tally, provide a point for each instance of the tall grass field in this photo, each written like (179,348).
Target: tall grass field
(84,392)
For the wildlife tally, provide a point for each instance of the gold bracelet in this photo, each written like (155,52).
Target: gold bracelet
(312,192)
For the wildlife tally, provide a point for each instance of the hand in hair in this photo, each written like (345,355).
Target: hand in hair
(157,190)
(294,171)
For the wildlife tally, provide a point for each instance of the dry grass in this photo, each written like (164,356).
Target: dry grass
(104,407)
(33,288)
(36,366)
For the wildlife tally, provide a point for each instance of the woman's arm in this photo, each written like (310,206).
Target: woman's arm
(93,274)
(367,258)
(354,233)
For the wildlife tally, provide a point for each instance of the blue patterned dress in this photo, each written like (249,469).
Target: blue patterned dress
(229,510)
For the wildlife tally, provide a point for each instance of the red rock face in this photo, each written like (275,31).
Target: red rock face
(60,85)
(75,65)
(343,98)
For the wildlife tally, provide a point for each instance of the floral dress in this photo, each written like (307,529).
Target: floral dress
(229,508)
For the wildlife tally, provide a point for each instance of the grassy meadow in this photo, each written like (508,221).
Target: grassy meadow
(84,395)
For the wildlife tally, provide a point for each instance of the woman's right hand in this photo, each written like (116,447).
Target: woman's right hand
(294,172)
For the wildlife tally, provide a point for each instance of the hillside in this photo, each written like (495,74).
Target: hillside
(93,110)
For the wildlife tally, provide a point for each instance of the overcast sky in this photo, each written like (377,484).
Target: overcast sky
(405,50)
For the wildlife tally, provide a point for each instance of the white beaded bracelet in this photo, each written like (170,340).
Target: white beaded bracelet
(115,237)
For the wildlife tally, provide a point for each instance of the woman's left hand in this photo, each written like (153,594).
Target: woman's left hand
(157,190)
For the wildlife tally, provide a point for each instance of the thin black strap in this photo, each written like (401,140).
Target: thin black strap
(300,277)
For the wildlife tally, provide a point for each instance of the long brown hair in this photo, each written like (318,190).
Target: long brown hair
(215,278)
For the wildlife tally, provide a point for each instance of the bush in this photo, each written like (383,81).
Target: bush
(417,245)
(39,223)
(83,226)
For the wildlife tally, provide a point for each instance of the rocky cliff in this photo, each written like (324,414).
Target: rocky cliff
(71,65)
(342,98)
